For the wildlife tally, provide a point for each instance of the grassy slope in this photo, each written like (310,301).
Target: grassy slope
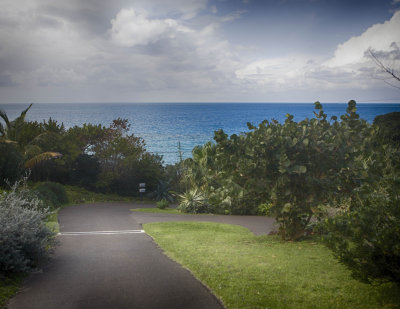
(246,271)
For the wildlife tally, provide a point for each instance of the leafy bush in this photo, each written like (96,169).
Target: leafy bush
(389,127)
(294,169)
(366,235)
(367,238)
(52,193)
(24,238)
(193,201)
(162,191)
(11,163)
(162,204)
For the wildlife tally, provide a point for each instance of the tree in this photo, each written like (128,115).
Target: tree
(19,133)
(391,72)
(9,133)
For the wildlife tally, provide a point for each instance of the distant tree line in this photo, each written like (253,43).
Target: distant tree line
(109,159)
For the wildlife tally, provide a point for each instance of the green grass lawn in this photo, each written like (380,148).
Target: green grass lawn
(78,195)
(157,210)
(247,271)
(8,287)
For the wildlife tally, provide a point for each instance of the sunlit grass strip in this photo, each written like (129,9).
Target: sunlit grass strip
(157,210)
(246,271)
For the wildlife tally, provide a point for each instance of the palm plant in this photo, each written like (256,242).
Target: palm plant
(33,153)
(9,132)
(193,201)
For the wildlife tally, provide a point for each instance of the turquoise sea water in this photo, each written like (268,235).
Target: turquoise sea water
(163,125)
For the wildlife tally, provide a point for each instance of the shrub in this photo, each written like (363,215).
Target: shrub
(11,163)
(52,193)
(367,238)
(24,238)
(162,204)
(389,128)
(193,201)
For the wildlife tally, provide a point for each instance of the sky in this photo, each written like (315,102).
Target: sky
(197,50)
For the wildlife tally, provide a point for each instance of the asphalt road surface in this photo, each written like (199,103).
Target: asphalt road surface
(104,260)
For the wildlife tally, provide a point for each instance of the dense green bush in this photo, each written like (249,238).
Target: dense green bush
(366,235)
(293,170)
(52,193)
(24,238)
(11,163)
(389,127)
(193,201)
(162,204)
(367,238)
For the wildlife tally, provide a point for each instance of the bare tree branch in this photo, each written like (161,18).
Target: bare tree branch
(386,69)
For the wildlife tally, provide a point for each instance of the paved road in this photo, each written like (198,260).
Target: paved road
(118,270)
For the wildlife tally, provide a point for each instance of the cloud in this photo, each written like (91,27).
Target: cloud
(131,28)
(379,37)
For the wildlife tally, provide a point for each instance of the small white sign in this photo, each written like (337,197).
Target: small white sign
(142,190)
(142,185)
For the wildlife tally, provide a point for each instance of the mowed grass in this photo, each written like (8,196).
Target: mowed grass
(157,210)
(246,271)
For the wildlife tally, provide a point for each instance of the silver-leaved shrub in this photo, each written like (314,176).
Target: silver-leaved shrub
(24,238)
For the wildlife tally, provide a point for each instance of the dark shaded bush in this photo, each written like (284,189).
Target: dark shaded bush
(52,193)
(24,238)
(11,163)
(367,239)
(389,128)
(85,171)
(366,236)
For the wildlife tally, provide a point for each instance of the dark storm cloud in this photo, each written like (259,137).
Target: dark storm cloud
(156,50)
(6,80)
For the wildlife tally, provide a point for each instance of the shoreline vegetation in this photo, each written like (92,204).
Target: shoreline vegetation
(331,184)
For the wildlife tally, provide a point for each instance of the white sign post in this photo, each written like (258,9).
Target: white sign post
(142,189)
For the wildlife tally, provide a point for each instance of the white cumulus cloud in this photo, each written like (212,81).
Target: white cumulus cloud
(130,28)
(379,37)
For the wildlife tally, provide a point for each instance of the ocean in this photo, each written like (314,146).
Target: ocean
(163,125)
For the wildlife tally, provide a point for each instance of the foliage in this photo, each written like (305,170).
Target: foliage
(10,131)
(247,271)
(193,201)
(9,286)
(106,159)
(162,204)
(11,163)
(52,193)
(292,170)
(366,237)
(85,171)
(24,238)
(79,195)
(389,128)
(162,191)
(119,160)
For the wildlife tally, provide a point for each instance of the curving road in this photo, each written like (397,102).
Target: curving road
(122,269)
(104,260)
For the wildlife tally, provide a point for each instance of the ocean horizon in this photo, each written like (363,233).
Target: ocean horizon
(164,125)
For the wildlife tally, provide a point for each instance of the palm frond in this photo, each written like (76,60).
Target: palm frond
(23,113)
(42,157)
(4,116)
